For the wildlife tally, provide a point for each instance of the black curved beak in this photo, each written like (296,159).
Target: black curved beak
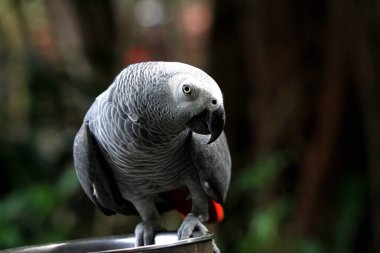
(209,122)
(216,123)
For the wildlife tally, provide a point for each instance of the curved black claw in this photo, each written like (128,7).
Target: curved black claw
(145,232)
(193,227)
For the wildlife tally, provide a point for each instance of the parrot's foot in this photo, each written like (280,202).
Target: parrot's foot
(145,232)
(193,227)
(190,225)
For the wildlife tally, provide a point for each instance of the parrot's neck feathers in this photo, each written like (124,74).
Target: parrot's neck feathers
(164,135)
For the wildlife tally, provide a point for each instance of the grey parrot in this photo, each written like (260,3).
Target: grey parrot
(158,128)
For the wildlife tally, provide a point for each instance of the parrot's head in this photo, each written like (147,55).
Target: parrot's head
(199,101)
(173,96)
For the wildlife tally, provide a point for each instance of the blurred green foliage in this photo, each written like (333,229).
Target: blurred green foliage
(34,213)
(266,207)
(261,227)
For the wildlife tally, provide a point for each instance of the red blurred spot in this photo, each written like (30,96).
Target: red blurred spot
(136,54)
(182,203)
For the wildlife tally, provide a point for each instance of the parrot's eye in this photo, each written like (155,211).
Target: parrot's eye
(187,89)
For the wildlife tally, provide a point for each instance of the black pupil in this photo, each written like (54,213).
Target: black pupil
(213,102)
(186,88)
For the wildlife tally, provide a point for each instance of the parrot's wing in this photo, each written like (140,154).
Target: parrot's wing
(96,177)
(213,162)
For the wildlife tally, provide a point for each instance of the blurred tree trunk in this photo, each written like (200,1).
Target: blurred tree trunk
(89,27)
(85,35)
(98,28)
(295,71)
(366,64)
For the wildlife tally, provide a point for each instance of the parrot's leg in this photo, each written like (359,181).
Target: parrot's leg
(146,230)
(199,214)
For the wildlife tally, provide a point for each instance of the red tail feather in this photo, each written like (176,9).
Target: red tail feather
(182,203)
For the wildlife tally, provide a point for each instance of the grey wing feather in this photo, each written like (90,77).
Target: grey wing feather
(212,160)
(95,175)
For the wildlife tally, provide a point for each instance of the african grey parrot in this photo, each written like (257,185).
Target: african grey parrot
(158,128)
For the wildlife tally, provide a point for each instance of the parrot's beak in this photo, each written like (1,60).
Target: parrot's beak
(209,122)
(216,123)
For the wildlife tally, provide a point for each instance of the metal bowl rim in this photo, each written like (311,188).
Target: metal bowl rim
(202,238)
(115,237)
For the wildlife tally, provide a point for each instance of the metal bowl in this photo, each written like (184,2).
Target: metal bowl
(119,243)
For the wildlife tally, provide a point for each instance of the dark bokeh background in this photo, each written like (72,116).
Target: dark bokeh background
(301,85)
